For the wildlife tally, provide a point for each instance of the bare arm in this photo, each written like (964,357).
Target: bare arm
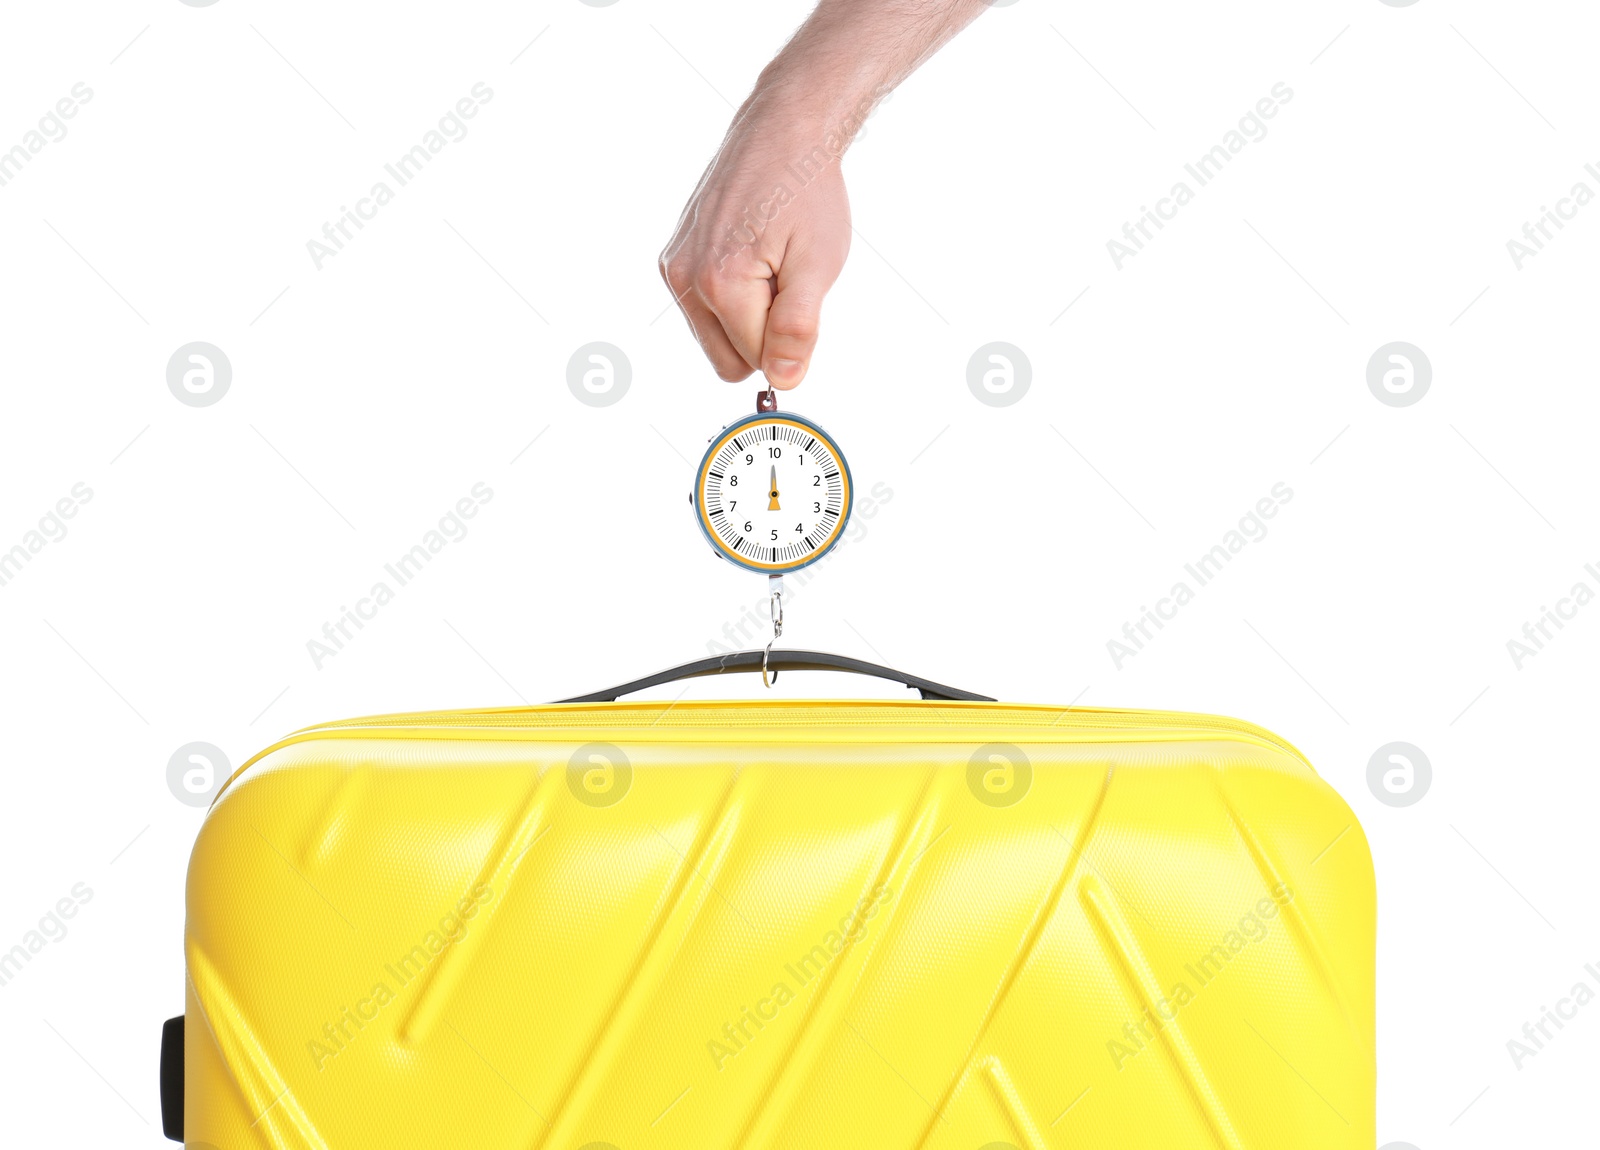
(766,232)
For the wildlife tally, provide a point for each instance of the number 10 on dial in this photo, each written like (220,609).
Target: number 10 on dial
(772,493)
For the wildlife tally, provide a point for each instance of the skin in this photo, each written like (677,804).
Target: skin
(765,234)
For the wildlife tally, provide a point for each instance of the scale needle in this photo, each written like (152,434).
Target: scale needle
(772,503)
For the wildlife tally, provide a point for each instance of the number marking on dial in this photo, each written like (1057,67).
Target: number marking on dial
(781,456)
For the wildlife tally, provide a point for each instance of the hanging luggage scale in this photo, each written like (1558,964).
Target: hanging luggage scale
(772,493)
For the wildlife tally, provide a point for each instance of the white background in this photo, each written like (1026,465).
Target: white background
(1230,355)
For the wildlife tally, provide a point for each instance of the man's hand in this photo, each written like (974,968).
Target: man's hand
(761,242)
(766,233)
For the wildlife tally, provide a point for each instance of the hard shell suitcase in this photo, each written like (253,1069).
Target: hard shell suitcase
(945,924)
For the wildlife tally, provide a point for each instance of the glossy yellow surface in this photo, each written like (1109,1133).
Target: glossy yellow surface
(828,925)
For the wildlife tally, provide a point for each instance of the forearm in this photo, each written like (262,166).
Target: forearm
(767,230)
(849,55)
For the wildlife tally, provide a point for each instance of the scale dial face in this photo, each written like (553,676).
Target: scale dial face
(772,493)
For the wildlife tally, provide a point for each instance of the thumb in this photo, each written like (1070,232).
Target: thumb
(793,319)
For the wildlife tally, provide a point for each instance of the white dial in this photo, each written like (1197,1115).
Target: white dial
(773,493)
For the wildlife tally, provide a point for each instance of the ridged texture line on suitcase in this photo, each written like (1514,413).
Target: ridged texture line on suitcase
(1157,945)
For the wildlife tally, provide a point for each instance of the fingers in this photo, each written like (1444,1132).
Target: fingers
(740,302)
(792,322)
(811,263)
(714,341)
(760,313)
(707,328)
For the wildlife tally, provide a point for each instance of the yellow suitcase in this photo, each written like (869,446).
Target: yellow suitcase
(945,924)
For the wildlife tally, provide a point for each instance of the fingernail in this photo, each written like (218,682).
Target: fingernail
(784,370)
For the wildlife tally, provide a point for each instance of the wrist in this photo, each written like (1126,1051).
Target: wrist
(808,98)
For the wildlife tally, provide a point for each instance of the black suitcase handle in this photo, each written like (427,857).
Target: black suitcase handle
(172,1078)
(780,661)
